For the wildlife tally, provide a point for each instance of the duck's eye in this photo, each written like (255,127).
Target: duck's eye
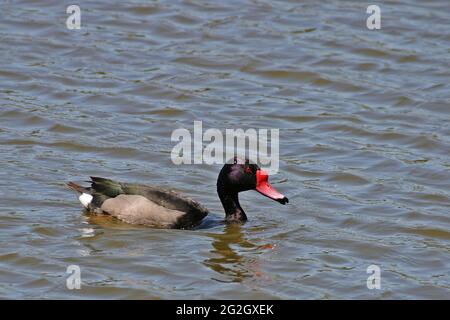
(248,170)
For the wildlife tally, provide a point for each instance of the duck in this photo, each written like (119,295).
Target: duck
(163,208)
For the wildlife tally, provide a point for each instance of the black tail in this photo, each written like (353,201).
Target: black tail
(78,188)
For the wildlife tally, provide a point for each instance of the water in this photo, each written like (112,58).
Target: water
(364,151)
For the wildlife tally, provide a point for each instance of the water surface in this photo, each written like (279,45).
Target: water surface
(364,120)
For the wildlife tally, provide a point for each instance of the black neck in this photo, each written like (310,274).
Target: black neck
(230,202)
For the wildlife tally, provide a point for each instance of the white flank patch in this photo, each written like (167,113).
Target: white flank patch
(85,199)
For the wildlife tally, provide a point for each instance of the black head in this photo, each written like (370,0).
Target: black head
(242,176)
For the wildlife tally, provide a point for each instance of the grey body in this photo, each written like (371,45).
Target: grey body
(136,209)
(141,204)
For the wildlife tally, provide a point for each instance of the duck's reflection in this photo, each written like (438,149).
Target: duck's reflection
(235,258)
(105,221)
